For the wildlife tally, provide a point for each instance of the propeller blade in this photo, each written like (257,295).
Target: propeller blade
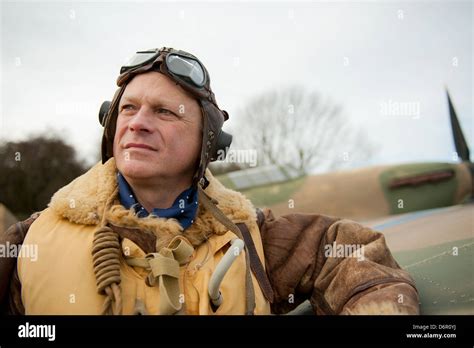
(459,141)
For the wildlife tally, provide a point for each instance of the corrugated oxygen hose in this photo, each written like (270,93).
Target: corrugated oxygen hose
(106,258)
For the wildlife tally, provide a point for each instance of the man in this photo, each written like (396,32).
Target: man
(144,231)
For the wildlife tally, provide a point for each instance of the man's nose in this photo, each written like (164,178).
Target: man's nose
(140,122)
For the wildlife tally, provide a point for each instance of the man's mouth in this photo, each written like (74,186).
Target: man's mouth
(139,146)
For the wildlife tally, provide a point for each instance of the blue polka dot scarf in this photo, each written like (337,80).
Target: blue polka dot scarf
(183,209)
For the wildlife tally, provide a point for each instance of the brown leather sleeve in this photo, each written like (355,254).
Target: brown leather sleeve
(300,267)
(10,287)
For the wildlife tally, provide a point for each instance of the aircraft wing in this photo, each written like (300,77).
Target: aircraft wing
(437,247)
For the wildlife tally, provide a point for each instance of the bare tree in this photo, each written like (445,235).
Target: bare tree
(299,129)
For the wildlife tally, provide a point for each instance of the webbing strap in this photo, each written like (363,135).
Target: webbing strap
(164,272)
(208,203)
(256,264)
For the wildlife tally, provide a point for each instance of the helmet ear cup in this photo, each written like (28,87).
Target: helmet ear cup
(221,147)
(104,110)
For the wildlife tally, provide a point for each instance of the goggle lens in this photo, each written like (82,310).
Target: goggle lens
(139,58)
(186,68)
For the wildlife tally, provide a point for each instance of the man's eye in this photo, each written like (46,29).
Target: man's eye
(165,111)
(128,107)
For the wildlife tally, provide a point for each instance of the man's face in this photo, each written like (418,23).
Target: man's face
(158,133)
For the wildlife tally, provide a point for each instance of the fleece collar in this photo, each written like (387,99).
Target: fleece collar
(92,199)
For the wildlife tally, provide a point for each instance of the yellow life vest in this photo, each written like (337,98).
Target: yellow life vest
(62,281)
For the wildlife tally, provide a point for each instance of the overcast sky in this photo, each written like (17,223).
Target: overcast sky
(60,60)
